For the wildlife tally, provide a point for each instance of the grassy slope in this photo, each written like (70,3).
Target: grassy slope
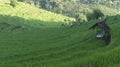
(57,47)
(29,13)
(106,10)
(66,47)
(88,8)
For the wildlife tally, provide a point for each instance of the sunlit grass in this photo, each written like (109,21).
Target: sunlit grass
(30,12)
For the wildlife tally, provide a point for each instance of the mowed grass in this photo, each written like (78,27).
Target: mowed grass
(60,47)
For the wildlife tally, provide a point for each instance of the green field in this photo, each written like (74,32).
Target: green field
(38,41)
(27,15)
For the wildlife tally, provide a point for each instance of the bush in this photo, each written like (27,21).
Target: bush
(80,18)
(95,15)
(21,0)
(98,13)
(83,18)
(13,3)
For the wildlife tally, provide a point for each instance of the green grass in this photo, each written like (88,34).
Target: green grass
(59,47)
(27,11)
(85,8)
(18,21)
(45,43)
(106,10)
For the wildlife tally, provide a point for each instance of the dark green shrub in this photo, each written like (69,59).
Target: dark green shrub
(21,0)
(13,3)
(90,16)
(95,15)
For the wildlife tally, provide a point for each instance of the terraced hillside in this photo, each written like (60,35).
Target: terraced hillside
(60,47)
(24,43)
(29,14)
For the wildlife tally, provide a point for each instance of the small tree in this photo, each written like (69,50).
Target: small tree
(90,16)
(77,18)
(95,15)
(13,3)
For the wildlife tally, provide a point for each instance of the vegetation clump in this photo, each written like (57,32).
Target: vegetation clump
(21,0)
(96,14)
(13,3)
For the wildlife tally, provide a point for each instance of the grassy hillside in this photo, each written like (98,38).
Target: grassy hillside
(60,47)
(85,8)
(24,43)
(106,10)
(25,12)
(73,7)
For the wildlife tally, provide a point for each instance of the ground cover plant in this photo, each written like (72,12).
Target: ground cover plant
(34,41)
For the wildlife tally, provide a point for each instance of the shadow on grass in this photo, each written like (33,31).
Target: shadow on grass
(18,21)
